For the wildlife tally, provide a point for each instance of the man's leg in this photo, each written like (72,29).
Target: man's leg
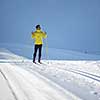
(39,56)
(35,52)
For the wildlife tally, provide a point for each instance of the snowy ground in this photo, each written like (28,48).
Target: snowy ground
(20,79)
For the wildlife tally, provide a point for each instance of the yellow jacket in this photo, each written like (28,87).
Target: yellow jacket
(38,35)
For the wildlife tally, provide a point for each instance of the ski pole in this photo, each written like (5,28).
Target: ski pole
(46,49)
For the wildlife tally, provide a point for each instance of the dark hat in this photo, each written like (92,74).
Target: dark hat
(38,26)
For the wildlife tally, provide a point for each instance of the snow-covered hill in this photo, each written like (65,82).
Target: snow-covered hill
(20,79)
(53,53)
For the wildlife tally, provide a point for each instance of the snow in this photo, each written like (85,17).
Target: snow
(53,53)
(28,86)
(20,79)
(5,92)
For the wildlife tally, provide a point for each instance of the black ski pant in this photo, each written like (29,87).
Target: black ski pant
(37,47)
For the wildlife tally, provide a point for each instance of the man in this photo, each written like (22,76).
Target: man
(38,36)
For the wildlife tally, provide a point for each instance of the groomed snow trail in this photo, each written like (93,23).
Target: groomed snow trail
(85,85)
(32,86)
(20,79)
(82,83)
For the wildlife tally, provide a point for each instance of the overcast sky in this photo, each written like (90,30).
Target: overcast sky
(70,24)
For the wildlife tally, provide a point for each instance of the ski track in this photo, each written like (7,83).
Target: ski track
(17,76)
(43,67)
(82,73)
(30,67)
(93,78)
(7,81)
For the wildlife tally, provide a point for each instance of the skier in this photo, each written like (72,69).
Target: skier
(38,36)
